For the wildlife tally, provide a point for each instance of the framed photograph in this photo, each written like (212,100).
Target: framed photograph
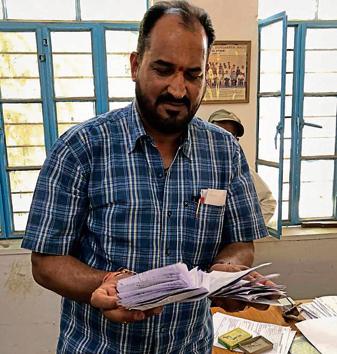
(228,72)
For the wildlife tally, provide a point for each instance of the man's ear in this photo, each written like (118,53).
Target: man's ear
(134,63)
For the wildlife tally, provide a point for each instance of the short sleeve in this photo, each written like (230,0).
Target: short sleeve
(243,217)
(60,204)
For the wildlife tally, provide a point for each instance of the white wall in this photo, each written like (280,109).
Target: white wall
(29,317)
(237,20)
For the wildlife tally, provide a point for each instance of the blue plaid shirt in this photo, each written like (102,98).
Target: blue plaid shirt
(103,197)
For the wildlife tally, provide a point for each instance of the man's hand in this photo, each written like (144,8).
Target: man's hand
(231,305)
(105,298)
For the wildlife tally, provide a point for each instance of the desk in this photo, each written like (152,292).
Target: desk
(272,315)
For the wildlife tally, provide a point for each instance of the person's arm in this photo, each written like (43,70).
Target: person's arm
(235,257)
(66,276)
(238,253)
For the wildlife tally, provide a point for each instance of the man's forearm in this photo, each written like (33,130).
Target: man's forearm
(66,276)
(241,253)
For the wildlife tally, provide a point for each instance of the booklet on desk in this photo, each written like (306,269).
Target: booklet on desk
(175,283)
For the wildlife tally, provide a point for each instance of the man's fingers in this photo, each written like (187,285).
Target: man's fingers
(154,311)
(227,267)
(101,299)
(261,307)
(122,315)
(229,305)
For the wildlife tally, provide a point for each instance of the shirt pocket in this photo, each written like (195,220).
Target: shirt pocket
(203,239)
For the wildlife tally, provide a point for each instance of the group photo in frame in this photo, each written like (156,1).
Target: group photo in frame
(228,72)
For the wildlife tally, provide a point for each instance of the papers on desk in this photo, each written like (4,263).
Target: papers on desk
(321,332)
(320,328)
(280,336)
(175,283)
(325,306)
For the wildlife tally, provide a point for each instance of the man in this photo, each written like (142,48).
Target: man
(230,122)
(121,191)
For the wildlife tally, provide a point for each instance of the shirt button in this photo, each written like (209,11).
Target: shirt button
(169,213)
(185,204)
(160,175)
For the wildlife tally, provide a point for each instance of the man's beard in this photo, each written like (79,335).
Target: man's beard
(167,125)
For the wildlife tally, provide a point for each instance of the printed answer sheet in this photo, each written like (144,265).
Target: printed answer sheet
(280,336)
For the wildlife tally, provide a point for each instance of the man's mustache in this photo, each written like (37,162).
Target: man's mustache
(168,98)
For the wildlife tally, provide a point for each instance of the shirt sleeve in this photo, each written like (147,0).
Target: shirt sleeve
(60,204)
(243,217)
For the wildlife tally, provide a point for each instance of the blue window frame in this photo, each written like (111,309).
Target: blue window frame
(271,108)
(309,128)
(85,62)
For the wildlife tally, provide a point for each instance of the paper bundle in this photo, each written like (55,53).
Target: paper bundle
(175,283)
(324,306)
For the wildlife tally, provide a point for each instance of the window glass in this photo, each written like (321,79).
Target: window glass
(121,87)
(19,74)
(312,146)
(17,42)
(121,41)
(290,37)
(316,189)
(321,61)
(271,58)
(320,82)
(119,10)
(290,61)
(71,42)
(285,189)
(288,106)
(41,9)
(269,111)
(72,113)
(119,45)
(22,186)
(116,105)
(322,38)
(319,106)
(73,71)
(24,134)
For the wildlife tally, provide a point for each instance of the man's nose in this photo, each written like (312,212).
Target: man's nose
(177,86)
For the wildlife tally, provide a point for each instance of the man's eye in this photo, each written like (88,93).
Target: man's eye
(193,76)
(163,71)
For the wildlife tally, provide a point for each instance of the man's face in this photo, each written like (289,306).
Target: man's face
(170,77)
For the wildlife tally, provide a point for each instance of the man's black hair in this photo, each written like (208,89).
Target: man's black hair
(189,14)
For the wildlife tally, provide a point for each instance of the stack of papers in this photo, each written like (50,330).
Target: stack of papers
(175,283)
(280,336)
(325,306)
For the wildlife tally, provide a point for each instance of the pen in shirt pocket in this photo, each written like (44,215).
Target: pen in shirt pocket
(200,201)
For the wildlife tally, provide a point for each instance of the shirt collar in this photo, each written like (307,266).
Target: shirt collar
(137,132)
(136,128)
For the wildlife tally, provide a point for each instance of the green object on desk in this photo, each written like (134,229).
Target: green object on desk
(302,346)
(233,338)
